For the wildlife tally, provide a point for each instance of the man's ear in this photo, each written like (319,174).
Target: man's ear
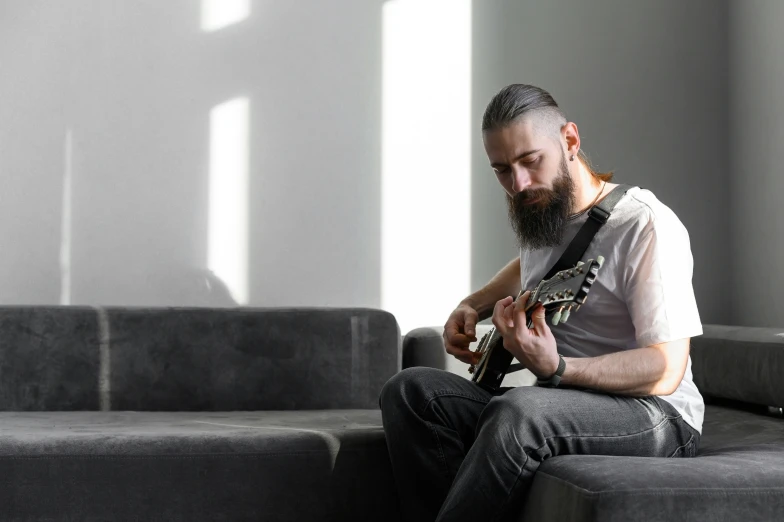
(571,136)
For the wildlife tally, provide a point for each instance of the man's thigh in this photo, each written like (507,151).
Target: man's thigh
(560,421)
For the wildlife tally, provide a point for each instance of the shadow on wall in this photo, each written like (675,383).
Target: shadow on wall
(193,286)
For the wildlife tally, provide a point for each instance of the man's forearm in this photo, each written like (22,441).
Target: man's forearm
(639,372)
(505,283)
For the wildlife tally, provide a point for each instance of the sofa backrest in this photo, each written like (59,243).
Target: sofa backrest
(195,359)
(740,363)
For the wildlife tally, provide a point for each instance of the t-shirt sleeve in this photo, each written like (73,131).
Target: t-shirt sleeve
(658,284)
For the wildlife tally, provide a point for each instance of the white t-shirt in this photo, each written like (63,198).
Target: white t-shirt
(642,295)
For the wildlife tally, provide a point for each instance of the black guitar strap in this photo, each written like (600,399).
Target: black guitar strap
(597,216)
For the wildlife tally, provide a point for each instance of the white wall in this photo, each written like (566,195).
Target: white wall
(135,83)
(756,182)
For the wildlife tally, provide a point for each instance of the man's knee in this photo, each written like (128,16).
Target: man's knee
(417,385)
(406,385)
(521,407)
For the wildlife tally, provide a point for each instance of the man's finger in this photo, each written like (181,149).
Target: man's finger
(519,317)
(460,340)
(450,329)
(464,355)
(498,314)
(470,322)
(538,319)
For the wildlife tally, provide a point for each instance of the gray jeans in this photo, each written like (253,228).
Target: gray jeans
(459,452)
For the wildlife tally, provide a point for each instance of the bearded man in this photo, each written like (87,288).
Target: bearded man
(463,453)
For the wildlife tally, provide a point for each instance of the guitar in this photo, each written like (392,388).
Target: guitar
(561,296)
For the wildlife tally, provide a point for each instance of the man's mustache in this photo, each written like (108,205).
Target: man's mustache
(527,196)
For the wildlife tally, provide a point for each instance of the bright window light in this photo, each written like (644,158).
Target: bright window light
(66,219)
(217,14)
(426,184)
(228,193)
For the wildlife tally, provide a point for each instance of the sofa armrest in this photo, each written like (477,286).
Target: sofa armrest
(425,347)
(740,363)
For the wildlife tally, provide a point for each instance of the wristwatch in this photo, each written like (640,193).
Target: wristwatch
(555,379)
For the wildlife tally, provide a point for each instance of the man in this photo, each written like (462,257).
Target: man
(459,452)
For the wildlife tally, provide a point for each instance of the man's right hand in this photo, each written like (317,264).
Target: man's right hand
(460,332)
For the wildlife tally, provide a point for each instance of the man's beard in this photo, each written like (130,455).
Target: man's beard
(542,224)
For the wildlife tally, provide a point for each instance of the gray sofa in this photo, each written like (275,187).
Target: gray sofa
(738,474)
(195,414)
(272,414)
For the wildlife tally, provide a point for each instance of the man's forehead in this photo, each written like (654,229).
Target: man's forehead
(515,138)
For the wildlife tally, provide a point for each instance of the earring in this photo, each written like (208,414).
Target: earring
(572,158)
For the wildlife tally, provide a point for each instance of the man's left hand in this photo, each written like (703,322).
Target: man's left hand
(534,347)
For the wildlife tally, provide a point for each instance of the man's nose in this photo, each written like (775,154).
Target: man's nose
(520,179)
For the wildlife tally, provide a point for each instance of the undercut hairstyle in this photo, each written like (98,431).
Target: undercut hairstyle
(517,101)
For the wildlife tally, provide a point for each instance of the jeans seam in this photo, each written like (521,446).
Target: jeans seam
(441,456)
(448,393)
(661,410)
(691,439)
(502,508)
(652,428)
(438,395)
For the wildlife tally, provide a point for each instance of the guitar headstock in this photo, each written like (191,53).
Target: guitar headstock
(565,291)
(560,295)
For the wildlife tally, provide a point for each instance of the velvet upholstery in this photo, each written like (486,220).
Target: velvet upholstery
(49,358)
(194,359)
(738,474)
(272,414)
(246,359)
(740,363)
(195,466)
(227,414)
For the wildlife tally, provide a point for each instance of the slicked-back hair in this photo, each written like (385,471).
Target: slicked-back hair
(519,100)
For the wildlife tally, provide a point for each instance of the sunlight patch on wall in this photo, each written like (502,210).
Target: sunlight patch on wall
(426,183)
(66,219)
(228,195)
(217,14)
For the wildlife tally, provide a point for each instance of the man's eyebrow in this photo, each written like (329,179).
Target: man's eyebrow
(521,156)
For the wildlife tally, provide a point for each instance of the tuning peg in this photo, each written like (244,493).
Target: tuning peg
(565,316)
(580,263)
(557,317)
(600,260)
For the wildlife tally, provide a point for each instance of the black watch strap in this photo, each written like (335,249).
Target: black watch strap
(555,379)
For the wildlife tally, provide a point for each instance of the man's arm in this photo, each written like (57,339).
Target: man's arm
(653,370)
(505,283)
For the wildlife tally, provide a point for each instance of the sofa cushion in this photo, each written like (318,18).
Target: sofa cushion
(90,466)
(740,363)
(737,475)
